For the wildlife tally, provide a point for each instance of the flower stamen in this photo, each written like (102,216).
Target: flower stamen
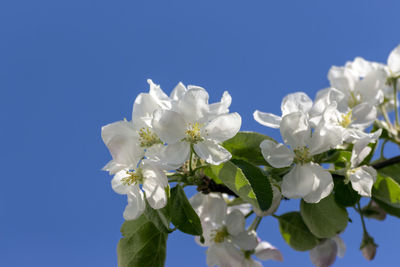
(148,138)
(193,133)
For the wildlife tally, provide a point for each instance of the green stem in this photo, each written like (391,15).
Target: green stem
(385,116)
(395,102)
(383,148)
(362,218)
(191,159)
(255,223)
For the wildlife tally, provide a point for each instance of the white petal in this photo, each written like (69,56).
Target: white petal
(324,254)
(394,61)
(246,240)
(341,246)
(326,97)
(265,251)
(154,183)
(169,125)
(342,79)
(223,106)
(193,105)
(323,184)
(214,209)
(298,182)
(363,115)
(171,156)
(223,127)
(295,102)
(196,201)
(136,204)
(117,185)
(267,119)
(362,180)
(295,130)
(113,167)
(235,222)
(326,137)
(157,93)
(123,142)
(178,91)
(370,88)
(361,149)
(224,255)
(143,109)
(211,152)
(276,154)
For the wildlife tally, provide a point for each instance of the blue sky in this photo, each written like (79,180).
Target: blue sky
(69,67)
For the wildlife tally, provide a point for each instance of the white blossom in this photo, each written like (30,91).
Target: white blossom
(153,181)
(325,253)
(191,123)
(290,104)
(306,179)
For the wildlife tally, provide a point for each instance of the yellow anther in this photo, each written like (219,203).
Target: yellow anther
(346,119)
(302,155)
(220,235)
(193,133)
(148,138)
(133,177)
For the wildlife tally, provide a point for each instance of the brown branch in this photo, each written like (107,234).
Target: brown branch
(385,163)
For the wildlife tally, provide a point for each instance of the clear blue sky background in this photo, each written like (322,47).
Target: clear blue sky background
(69,67)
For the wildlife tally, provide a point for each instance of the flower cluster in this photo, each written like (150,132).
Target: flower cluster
(163,134)
(325,160)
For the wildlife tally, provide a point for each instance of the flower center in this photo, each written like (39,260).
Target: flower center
(346,119)
(302,155)
(133,177)
(220,235)
(193,133)
(148,138)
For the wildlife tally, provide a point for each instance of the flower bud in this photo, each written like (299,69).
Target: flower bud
(368,247)
(374,211)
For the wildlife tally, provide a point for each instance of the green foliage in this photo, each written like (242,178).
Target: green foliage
(258,181)
(341,158)
(386,192)
(143,244)
(295,232)
(160,218)
(182,214)
(344,194)
(234,178)
(392,171)
(324,219)
(246,145)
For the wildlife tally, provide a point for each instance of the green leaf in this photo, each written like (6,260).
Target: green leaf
(258,181)
(142,245)
(344,194)
(324,219)
(160,218)
(182,214)
(295,232)
(392,171)
(386,192)
(246,145)
(340,158)
(234,179)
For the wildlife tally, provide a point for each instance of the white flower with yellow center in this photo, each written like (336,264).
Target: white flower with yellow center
(224,233)
(131,183)
(306,179)
(190,123)
(291,103)
(128,140)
